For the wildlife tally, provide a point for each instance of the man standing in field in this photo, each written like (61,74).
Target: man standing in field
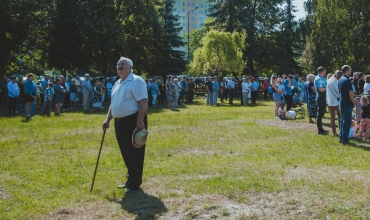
(129,104)
(30,95)
(320,87)
(346,103)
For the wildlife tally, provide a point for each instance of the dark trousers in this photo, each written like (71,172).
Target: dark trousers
(289,102)
(161,98)
(132,156)
(265,93)
(42,99)
(231,96)
(150,98)
(223,95)
(254,96)
(321,109)
(12,105)
(345,124)
(46,108)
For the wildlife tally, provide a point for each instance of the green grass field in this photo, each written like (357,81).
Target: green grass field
(202,162)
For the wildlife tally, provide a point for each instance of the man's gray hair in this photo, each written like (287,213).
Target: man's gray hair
(128,61)
(311,77)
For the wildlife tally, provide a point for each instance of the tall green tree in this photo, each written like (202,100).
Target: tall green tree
(67,48)
(289,42)
(259,18)
(221,54)
(142,34)
(17,19)
(104,33)
(171,58)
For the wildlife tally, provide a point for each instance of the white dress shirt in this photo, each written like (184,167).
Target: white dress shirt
(231,84)
(126,96)
(332,92)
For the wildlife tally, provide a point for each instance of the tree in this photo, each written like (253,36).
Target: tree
(104,32)
(221,53)
(17,19)
(259,18)
(142,34)
(66,36)
(289,41)
(171,59)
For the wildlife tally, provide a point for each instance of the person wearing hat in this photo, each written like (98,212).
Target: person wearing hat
(30,94)
(13,93)
(86,92)
(129,104)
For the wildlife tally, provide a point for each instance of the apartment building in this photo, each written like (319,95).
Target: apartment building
(196,17)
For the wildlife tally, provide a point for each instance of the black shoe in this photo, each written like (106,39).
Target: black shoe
(345,142)
(323,132)
(131,191)
(122,186)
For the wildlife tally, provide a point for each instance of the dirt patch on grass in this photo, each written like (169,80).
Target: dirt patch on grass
(3,194)
(301,124)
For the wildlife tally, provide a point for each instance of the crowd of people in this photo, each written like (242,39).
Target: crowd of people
(64,94)
(335,93)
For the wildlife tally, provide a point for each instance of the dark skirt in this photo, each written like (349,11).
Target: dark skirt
(312,106)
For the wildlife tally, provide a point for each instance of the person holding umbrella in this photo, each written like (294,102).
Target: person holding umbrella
(129,104)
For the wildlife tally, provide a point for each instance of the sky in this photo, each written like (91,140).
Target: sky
(300,9)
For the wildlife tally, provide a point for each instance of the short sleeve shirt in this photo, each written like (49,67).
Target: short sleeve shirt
(345,86)
(365,111)
(126,96)
(319,83)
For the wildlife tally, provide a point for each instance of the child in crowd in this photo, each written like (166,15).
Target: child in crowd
(352,130)
(281,112)
(365,117)
(48,97)
(296,100)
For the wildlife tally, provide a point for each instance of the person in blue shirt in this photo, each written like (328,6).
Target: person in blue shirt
(346,104)
(155,91)
(320,87)
(30,94)
(288,84)
(13,93)
(44,85)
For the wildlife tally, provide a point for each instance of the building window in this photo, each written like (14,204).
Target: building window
(188,4)
(183,10)
(200,25)
(201,12)
(193,12)
(201,19)
(183,17)
(192,18)
(183,4)
(200,5)
(192,4)
(177,4)
(192,25)
(183,24)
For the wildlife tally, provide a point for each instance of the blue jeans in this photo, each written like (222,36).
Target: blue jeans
(345,124)
(210,98)
(215,96)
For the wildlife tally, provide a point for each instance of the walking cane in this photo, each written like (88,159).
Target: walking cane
(97,162)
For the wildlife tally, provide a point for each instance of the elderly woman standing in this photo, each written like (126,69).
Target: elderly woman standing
(311,97)
(332,97)
(276,95)
(170,92)
(59,92)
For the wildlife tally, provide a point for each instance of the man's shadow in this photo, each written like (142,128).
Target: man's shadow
(142,205)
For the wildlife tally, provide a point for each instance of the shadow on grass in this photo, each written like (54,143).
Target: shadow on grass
(144,206)
(360,144)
